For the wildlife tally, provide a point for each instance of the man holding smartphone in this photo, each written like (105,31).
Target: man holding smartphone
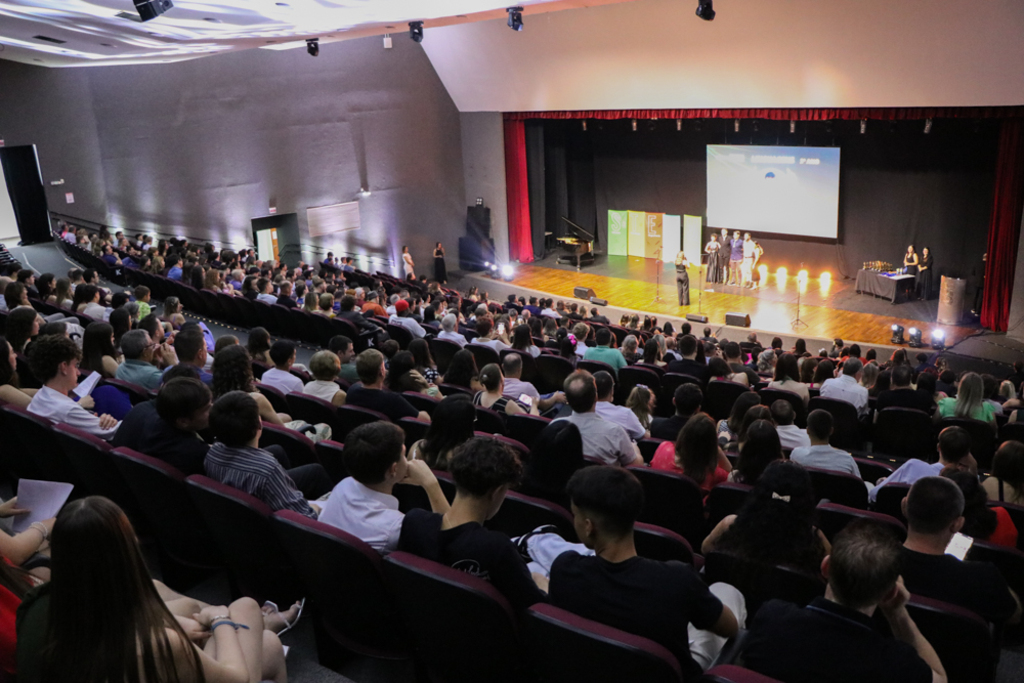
(489,335)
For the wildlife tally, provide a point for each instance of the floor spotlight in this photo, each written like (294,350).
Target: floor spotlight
(897,335)
(915,338)
(507,273)
(313,46)
(927,126)
(938,340)
(515,18)
(706,10)
(416,31)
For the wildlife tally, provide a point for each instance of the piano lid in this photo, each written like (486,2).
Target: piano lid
(579,232)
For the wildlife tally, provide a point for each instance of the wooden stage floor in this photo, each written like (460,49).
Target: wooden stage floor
(771,309)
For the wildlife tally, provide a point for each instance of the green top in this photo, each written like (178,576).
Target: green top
(947,408)
(608,355)
(348,372)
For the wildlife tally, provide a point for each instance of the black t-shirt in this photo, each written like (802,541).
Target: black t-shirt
(693,368)
(651,599)
(905,398)
(287,302)
(977,586)
(145,431)
(827,642)
(471,548)
(668,427)
(383,401)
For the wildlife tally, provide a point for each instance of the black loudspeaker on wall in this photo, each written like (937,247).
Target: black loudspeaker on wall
(478,222)
(584,293)
(737,319)
(151,9)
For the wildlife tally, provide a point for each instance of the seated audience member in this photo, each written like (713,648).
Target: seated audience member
(98,352)
(10,386)
(833,638)
(787,377)
(423,362)
(522,341)
(484,469)
(607,410)
(934,511)
(451,425)
(403,376)
(283,355)
(403,318)
(222,343)
(819,453)
(362,504)
(370,393)
(488,335)
(969,402)
(1007,481)
(902,395)
(265,291)
(729,430)
(22,327)
(512,369)
(847,386)
(869,375)
(449,327)
(776,524)
(237,460)
(462,371)
(602,439)
(790,435)
(604,579)
(954,449)
(172,313)
(689,365)
(324,366)
(759,447)
(492,395)
(54,361)
(556,454)
(167,428)
(190,348)
(285,296)
(371,306)
(695,453)
(687,400)
(232,371)
(982,523)
(141,357)
(721,371)
(342,346)
(259,345)
(348,312)
(734,359)
(604,352)
(643,402)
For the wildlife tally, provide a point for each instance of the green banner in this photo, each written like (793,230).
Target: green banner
(617,233)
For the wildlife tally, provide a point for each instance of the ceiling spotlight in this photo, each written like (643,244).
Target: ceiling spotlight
(584,122)
(863,126)
(897,335)
(736,125)
(938,340)
(706,10)
(515,18)
(792,126)
(313,46)
(679,124)
(927,126)
(416,31)
(915,338)
(634,125)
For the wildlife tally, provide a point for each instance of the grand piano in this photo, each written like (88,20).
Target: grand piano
(578,245)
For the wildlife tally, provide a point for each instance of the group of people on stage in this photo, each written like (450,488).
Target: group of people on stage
(440,270)
(734,262)
(921,267)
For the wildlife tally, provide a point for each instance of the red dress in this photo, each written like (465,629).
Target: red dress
(665,459)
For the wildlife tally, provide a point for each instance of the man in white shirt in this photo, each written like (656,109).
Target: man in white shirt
(512,369)
(954,449)
(54,360)
(402,318)
(549,310)
(602,439)
(819,453)
(607,410)
(487,335)
(581,331)
(362,504)
(847,386)
(449,323)
(283,354)
(790,435)
(265,288)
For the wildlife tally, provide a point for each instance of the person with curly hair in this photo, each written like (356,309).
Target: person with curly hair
(483,469)
(981,522)
(776,524)
(232,371)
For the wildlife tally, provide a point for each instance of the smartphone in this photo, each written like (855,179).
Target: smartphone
(959,545)
(501,328)
(526,399)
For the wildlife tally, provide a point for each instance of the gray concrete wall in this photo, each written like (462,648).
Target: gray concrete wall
(483,163)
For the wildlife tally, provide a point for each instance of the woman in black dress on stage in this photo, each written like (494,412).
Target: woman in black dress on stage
(440,272)
(910,260)
(714,251)
(924,274)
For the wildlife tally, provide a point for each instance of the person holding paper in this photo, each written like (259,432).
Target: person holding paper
(54,360)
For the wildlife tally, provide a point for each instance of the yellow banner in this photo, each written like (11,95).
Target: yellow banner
(636,220)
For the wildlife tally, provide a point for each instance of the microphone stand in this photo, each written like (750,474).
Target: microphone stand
(659,264)
(798,322)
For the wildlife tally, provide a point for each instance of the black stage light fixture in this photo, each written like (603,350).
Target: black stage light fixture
(151,9)
(706,10)
(313,46)
(915,338)
(515,18)
(897,335)
(416,31)
(938,340)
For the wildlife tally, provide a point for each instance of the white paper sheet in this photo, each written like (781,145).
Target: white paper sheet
(43,498)
(86,386)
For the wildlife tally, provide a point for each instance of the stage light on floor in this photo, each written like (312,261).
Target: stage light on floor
(763,272)
(706,10)
(915,338)
(416,31)
(507,273)
(515,18)
(313,46)
(938,340)
(781,273)
(897,335)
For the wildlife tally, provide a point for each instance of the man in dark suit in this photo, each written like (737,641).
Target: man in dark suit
(285,295)
(689,365)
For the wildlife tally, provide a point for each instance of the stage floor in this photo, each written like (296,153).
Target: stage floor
(827,308)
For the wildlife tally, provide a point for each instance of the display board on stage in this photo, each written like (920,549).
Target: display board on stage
(653,235)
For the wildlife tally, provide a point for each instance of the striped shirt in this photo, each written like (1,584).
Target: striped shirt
(257,473)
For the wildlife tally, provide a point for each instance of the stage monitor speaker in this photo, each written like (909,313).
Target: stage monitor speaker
(737,319)
(583,292)
(598,302)
(474,253)
(151,9)
(478,222)
(696,318)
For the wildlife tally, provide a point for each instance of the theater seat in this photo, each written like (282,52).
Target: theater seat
(760,583)
(570,649)
(521,514)
(726,499)
(298,447)
(889,500)
(839,487)
(673,501)
(962,640)
(525,428)
(833,518)
(729,673)
(658,543)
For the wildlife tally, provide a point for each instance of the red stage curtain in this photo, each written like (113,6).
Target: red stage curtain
(520,240)
(883,113)
(1004,227)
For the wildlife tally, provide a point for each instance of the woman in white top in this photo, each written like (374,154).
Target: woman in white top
(787,377)
(408,264)
(325,365)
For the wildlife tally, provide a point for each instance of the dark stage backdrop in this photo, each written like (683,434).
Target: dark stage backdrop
(897,185)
